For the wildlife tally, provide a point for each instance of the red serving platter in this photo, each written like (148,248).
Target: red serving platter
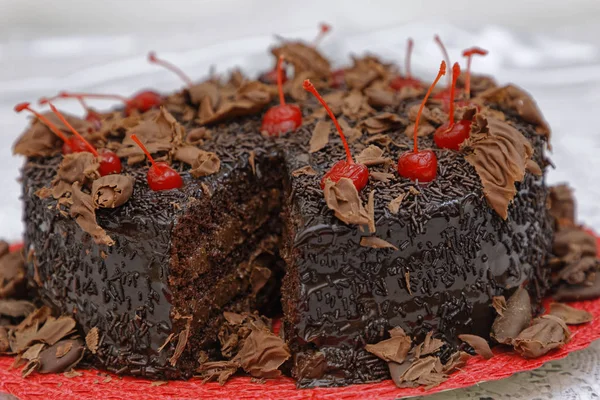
(95,384)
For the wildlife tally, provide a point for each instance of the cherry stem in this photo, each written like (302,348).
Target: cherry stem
(455,74)
(155,60)
(65,95)
(26,106)
(323,30)
(439,75)
(145,150)
(308,86)
(68,125)
(280,80)
(469,53)
(409,50)
(445,53)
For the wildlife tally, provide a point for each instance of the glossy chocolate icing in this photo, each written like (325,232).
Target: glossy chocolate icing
(454,252)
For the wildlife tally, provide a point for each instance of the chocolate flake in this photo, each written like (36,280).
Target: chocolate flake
(342,197)
(306,170)
(181,343)
(382,123)
(77,167)
(51,364)
(217,370)
(571,315)
(499,304)
(430,345)
(84,212)
(479,344)
(376,243)
(517,317)
(92,340)
(112,191)
(562,204)
(394,205)
(262,354)
(372,155)
(499,154)
(546,333)
(207,163)
(371,211)
(12,277)
(393,349)
(320,136)
(384,177)
(55,329)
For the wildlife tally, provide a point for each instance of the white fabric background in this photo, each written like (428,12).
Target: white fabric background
(551,48)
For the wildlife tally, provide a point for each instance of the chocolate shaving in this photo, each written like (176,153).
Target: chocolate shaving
(342,197)
(516,99)
(590,290)
(259,278)
(517,317)
(365,71)
(370,208)
(197,136)
(371,156)
(92,339)
(430,345)
(571,315)
(352,134)
(63,349)
(422,371)
(220,371)
(382,123)
(499,154)
(546,333)
(208,89)
(376,243)
(479,344)
(181,343)
(394,205)
(84,212)
(310,366)
(306,170)
(562,204)
(304,58)
(55,330)
(356,106)
(384,177)
(51,364)
(393,349)
(15,308)
(77,167)
(262,354)
(248,99)
(575,251)
(207,163)
(187,154)
(161,133)
(39,141)
(112,191)
(499,304)
(12,273)
(320,136)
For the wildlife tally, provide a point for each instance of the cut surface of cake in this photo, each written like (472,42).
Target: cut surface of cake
(161,274)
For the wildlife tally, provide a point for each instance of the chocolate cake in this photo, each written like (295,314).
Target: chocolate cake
(162,275)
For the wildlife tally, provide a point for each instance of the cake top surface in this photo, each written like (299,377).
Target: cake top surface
(206,130)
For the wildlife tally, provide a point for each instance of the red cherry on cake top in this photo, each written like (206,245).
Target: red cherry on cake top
(160,175)
(407,80)
(91,116)
(451,134)
(469,53)
(283,117)
(420,165)
(69,146)
(357,173)
(155,60)
(109,162)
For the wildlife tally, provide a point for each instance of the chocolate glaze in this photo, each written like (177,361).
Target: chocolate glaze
(337,296)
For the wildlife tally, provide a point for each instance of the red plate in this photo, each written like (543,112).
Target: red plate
(92,385)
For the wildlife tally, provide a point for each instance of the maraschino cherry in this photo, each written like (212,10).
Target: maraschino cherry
(357,173)
(160,175)
(109,161)
(443,95)
(284,117)
(70,145)
(469,53)
(142,101)
(407,80)
(155,60)
(420,165)
(91,116)
(451,134)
